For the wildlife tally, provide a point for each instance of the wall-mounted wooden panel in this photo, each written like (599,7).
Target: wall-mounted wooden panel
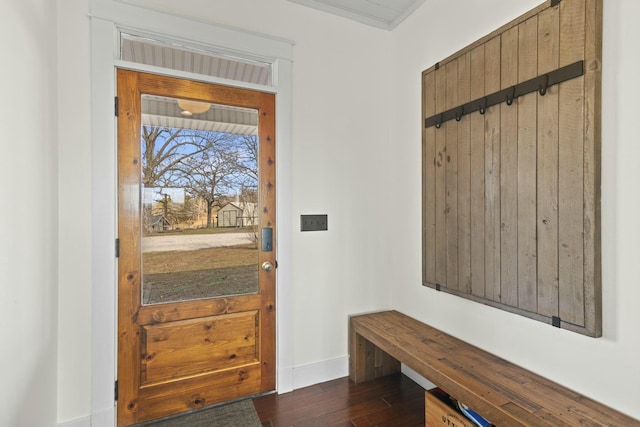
(511,189)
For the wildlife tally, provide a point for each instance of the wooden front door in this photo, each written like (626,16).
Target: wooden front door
(196,301)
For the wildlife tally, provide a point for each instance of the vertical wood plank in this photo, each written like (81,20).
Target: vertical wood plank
(492,173)
(464,177)
(440,156)
(357,355)
(571,172)
(592,179)
(428,180)
(547,212)
(129,277)
(267,198)
(451,176)
(477,175)
(509,174)
(385,364)
(527,122)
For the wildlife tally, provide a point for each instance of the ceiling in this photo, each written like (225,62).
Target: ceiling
(385,14)
(163,112)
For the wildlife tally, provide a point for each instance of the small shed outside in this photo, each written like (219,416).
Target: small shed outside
(159,223)
(237,215)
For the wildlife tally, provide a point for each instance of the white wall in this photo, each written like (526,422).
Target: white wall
(341,100)
(74,199)
(356,152)
(340,122)
(606,368)
(28,214)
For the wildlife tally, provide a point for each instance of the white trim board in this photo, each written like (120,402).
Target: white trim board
(320,372)
(82,422)
(107,16)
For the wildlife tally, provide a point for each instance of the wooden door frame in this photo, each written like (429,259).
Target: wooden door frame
(106,19)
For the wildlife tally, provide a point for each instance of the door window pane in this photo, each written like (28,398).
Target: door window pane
(199,200)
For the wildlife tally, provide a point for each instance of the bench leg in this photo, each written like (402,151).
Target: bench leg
(366,361)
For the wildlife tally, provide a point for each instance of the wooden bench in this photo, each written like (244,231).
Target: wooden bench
(502,392)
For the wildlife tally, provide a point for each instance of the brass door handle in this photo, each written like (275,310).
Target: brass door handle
(267,266)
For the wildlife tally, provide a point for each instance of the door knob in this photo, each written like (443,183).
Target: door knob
(267,266)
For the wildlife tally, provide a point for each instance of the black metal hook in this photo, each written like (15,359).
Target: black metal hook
(483,107)
(512,97)
(439,121)
(459,113)
(543,88)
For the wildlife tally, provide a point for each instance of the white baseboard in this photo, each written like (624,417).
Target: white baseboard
(320,372)
(82,422)
(327,370)
(105,418)
(422,381)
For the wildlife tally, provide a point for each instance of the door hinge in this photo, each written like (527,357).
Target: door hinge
(115,106)
(117,248)
(115,391)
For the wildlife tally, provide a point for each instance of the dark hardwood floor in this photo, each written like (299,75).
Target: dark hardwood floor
(392,401)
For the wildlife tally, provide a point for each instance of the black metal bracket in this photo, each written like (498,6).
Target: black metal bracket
(538,84)
(555,3)
(555,321)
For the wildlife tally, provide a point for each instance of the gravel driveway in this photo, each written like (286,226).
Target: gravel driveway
(191,242)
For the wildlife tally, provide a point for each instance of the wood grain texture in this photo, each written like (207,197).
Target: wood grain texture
(177,350)
(502,392)
(440,182)
(438,412)
(428,182)
(527,152)
(547,166)
(267,202)
(591,167)
(477,176)
(185,355)
(492,173)
(390,401)
(483,40)
(517,214)
(509,173)
(198,392)
(129,272)
(464,177)
(571,172)
(451,177)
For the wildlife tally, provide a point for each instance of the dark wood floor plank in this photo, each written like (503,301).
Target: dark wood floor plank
(389,401)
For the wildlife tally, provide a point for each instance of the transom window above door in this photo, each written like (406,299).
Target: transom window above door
(180,57)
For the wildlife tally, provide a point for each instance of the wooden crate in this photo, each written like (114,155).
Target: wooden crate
(441,413)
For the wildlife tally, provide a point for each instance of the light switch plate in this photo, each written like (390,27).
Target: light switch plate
(313,223)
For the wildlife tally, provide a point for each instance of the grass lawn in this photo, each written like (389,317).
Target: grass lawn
(203,273)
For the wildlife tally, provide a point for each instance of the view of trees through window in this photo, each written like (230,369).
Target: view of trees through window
(199,211)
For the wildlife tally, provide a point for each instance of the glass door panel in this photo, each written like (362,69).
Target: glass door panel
(199,197)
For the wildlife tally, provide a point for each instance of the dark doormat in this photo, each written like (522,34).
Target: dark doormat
(237,414)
